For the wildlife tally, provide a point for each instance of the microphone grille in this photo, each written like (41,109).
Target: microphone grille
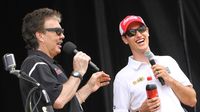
(69,47)
(9,61)
(149,55)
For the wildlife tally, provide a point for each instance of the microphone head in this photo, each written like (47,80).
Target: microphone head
(69,47)
(149,55)
(9,62)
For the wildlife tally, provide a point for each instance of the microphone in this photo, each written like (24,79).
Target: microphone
(70,48)
(150,57)
(9,62)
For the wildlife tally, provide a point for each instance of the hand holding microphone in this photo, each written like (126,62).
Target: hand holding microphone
(70,48)
(150,57)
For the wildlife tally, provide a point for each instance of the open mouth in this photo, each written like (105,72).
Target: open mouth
(140,41)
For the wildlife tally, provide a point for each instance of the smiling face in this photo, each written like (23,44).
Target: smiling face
(139,43)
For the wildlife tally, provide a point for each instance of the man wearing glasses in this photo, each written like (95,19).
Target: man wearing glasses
(43,36)
(130,82)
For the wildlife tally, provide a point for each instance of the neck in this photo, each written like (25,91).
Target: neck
(139,56)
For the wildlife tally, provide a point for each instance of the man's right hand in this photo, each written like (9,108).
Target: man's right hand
(80,62)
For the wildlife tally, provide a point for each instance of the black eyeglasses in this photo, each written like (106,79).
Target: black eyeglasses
(132,32)
(58,31)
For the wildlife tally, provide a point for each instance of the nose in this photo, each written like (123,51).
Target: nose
(138,33)
(62,36)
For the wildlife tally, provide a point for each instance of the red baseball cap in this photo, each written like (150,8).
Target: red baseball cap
(127,21)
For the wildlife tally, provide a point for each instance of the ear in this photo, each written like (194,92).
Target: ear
(124,39)
(39,36)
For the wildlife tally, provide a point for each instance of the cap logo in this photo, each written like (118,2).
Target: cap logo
(129,18)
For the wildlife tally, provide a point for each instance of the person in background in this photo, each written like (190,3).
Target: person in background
(43,35)
(130,82)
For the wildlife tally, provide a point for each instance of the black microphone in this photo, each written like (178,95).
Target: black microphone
(150,57)
(70,48)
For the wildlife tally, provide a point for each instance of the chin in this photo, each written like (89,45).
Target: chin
(58,51)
